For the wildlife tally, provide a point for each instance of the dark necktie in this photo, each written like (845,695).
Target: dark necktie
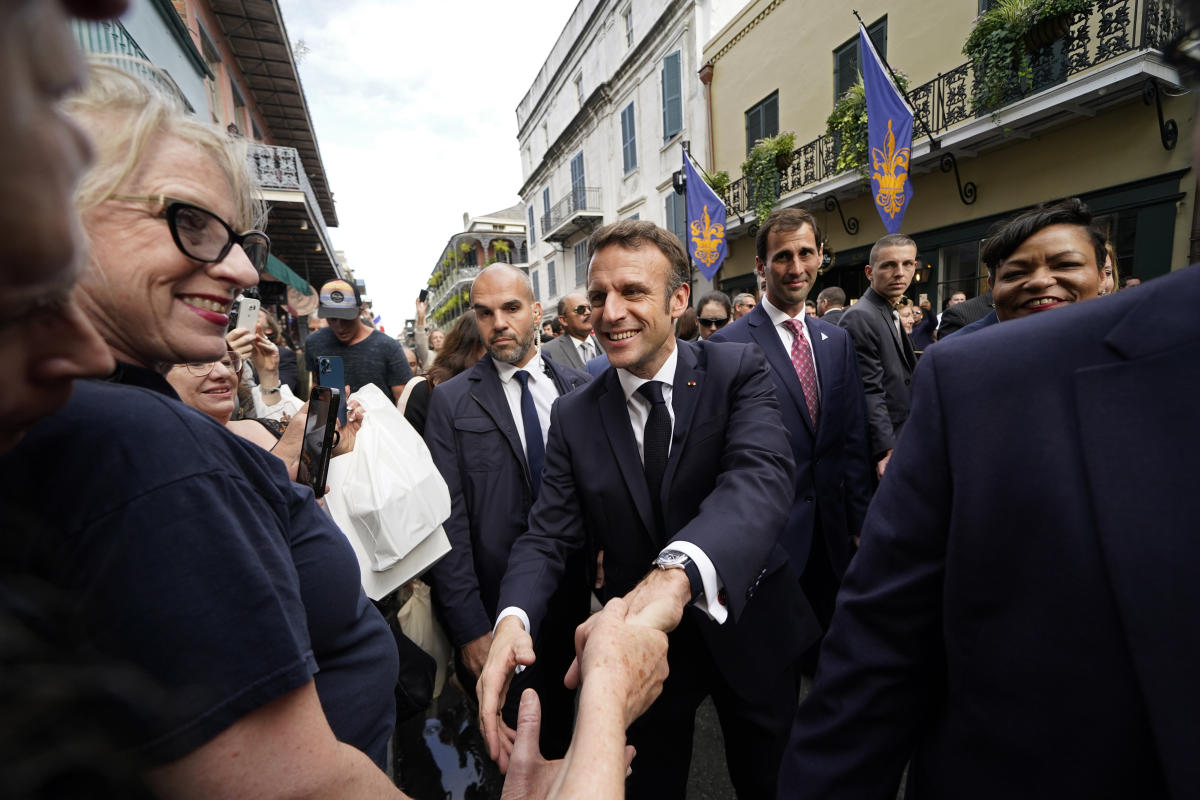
(656,443)
(535,448)
(802,361)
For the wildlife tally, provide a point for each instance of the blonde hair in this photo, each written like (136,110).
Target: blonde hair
(122,114)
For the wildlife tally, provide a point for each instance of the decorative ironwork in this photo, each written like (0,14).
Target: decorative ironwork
(967,192)
(579,199)
(108,41)
(1110,29)
(281,168)
(849,225)
(1168,131)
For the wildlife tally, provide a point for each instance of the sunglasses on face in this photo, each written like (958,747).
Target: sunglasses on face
(232,362)
(202,235)
(580,310)
(713,323)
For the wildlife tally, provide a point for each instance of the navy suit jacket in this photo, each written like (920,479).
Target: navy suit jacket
(986,321)
(727,489)
(885,360)
(1020,618)
(474,442)
(834,475)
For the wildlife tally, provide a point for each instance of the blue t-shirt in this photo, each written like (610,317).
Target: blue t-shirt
(187,551)
(378,359)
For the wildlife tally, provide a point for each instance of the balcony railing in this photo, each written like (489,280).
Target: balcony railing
(280,168)
(1109,30)
(571,213)
(109,42)
(450,285)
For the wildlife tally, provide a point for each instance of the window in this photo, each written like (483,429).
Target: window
(545,210)
(675,215)
(578,189)
(628,140)
(672,96)
(213,58)
(537,286)
(240,114)
(762,120)
(532,232)
(581,262)
(628,26)
(551,280)
(579,87)
(960,271)
(847,58)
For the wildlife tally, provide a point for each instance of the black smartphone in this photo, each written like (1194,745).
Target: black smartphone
(331,372)
(320,428)
(424,294)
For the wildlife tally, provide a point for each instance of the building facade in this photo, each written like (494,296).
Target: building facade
(602,128)
(1099,117)
(234,67)
(499,236)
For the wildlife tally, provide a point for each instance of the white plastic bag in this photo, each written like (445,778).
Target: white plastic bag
(392,493)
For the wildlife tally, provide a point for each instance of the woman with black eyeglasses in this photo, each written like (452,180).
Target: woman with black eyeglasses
(191,552)
(713,312)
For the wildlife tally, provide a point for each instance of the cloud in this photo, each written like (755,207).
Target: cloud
(414,110)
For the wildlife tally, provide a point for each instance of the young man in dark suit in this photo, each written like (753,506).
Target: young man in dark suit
(656,462)
(821,400)
(488,445)
(885,354)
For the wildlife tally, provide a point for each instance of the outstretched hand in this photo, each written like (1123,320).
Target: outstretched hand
(511,646)
(530,777)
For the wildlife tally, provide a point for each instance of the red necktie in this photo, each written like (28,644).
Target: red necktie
(802,360)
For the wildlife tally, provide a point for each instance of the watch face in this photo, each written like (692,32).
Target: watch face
(671,558)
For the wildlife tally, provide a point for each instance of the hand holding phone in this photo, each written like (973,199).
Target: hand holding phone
(245,313)
(320,430)
(331,372)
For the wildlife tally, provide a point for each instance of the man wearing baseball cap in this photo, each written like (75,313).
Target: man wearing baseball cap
(367,355)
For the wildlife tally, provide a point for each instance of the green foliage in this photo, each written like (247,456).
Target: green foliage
(999,50)
(719,181)
(762,171)
(847,125)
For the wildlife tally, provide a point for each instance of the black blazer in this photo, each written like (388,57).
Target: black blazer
(1020,618)
(885,360)
(963,314)
(727,489)
(474,442)
(834,475)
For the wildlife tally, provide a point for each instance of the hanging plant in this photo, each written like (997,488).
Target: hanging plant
(1003,39)
(719,181)
(761,169)
(847,126)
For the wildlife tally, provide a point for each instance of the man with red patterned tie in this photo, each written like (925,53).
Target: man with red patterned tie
(821,398)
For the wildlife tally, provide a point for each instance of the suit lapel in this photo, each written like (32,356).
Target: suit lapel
(762,331)
(489,394)
(903,345)
(560,381)
(685,393)
(614,416)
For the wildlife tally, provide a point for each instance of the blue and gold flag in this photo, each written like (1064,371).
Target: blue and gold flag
(889,137)
(705,223)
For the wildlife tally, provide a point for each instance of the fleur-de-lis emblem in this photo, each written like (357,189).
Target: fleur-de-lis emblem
(891,171)
(707,238)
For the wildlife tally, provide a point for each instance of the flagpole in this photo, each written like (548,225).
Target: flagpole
(683,145)
(933,143)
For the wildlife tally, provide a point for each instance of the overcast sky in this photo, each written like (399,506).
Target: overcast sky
(414,108)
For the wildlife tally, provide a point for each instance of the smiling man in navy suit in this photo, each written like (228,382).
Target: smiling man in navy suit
(821,399)
(655,463)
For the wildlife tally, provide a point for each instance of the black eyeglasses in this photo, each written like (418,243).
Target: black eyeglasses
(1183,53)
(580,310)
(202,235)
(232,361)
(713,323)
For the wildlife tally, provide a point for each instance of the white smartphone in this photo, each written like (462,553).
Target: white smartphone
(245,313)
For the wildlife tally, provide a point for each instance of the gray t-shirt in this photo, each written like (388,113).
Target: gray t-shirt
(378,359)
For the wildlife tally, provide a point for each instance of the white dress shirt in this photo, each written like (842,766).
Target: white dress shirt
(777,319)
(541,386)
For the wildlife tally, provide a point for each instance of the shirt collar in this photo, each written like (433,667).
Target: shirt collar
(779,317)
(128,374)
(666,374)
(535,368)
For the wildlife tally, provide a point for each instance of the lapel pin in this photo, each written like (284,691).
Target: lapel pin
(691,383)
(824,336)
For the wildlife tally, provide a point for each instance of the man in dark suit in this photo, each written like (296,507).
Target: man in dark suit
(480,440)
(821,400)
(672,465)
(1018,609)
(577,345)
(831,303)
(960,315)
(885,354)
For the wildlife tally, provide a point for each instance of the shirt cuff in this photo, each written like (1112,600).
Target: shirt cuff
(513,611)
(709,601)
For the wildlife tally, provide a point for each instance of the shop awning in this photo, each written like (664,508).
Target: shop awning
(285,273)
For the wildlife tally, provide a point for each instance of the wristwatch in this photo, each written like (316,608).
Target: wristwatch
(676,559)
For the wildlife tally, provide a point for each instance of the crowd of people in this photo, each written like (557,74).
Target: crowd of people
(654,500)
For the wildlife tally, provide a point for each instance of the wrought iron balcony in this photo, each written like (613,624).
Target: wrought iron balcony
(578,211)
(1109,30)
(452,283)
(109,42)
(280,168)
